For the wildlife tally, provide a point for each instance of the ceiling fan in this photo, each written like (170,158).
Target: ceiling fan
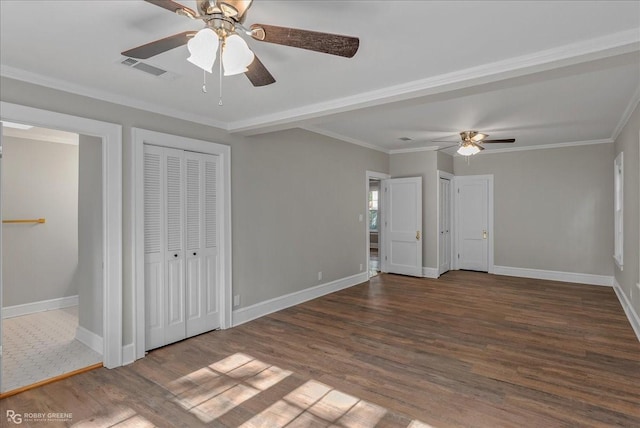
(471,142)
(223,23)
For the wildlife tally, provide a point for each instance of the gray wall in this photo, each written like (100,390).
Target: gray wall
(88,278)
(333,187)
(297,201)
(628,142)
(40,179)
(553,207)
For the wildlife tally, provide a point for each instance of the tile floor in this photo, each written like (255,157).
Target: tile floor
(40,346)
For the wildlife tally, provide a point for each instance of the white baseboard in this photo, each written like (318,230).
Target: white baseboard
(429,272)
(128,354)
(90,339)
(41,306)
(243,315)
(580,278)
(632,315)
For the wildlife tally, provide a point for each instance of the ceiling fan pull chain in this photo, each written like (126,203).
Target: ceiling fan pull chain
(220,74)
(204,81)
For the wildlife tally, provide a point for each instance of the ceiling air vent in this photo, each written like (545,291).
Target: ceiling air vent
(404,139)
(149,69)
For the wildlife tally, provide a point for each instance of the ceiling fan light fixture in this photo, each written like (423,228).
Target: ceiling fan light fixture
(236,55)
(468,149)
(203,48)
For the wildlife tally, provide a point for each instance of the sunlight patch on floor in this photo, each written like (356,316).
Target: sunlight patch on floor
(213,391)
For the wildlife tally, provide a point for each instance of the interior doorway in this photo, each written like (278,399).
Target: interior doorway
(52,254)
(374,215)
(111,228)
(374,222)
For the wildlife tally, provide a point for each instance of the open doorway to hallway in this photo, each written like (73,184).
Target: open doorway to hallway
(52,298)
(374,226)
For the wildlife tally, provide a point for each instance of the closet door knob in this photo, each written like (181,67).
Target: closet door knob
(194,254)
(175,255)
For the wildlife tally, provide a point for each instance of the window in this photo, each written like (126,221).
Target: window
(618,210)
(373,210)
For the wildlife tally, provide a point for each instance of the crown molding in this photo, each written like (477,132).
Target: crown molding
(633,103)
(542,147)
(566,55)
(73,88)
(414,150)
(337,136)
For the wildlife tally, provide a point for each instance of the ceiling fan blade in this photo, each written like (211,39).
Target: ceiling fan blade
(333,44)
(159,46)
(172,6)
(478,146)
(508,140)
(258,74)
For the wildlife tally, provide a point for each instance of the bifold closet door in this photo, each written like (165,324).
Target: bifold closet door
(202,256)
(164,246)
(181,244)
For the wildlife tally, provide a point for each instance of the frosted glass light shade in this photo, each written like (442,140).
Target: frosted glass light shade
(236,55)
(468,150)
(203,48)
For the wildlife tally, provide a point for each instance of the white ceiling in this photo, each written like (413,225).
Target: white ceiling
(544,72)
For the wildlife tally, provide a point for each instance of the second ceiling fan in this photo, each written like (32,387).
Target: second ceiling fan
(471,142)
(223,21)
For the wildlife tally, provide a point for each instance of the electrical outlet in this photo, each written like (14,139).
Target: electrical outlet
(360,267)
(319,276)
(236,300)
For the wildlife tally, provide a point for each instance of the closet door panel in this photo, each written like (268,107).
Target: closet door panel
(153,247)
(202,278)
(175,327)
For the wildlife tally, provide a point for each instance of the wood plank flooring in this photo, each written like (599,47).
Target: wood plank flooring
(466,350)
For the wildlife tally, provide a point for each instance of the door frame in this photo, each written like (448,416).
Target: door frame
(111,135)
(450,177)
(138,138)
(373,175)
(490,210)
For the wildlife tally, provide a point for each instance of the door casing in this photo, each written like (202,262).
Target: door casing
(373,175)
(139,137)
(111,135)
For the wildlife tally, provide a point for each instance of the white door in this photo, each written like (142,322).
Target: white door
(181,244)
(164,251)
(472,228)
(202,276)
(444,227)
(403,226)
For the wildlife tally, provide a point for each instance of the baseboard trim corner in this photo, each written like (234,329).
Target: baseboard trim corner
(429,272)
(90,339)
(41,306)
(128,354)
(243,315)
(629,311)
(578,278)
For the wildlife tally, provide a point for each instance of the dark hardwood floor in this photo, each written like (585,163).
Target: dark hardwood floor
(468,350)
